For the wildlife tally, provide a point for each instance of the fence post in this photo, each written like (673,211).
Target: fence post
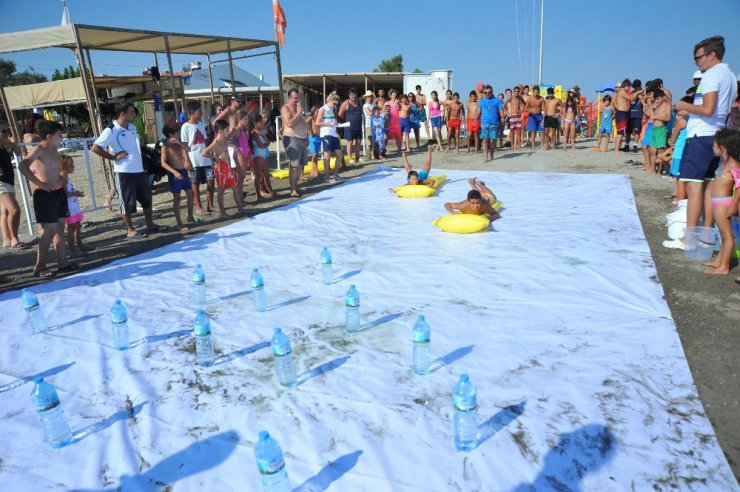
(277,139)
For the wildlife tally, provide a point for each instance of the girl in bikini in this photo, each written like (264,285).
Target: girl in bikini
(261,152)
(435,117)
(727,147)
(571,114)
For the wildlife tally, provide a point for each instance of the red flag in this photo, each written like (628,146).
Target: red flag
(280,23)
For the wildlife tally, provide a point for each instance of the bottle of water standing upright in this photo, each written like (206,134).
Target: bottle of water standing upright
(422,352)
(258,291)
(352,315)
(56,428)
(119,325)
(33,311)
(326,274)
(203,343)
(199,287)
(465,424)
(271,464)
(284,363)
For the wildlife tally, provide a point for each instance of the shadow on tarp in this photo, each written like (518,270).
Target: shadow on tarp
(204,240)
(346,275)
(380,321)
(126,414)
(240,353)
(196,458)
(503,417)
(576,454)
(322,369)
(295,300)
(231,296)
(160,338)
(448,359)
(330,473)
(28,379)
(320,199)
(74,321)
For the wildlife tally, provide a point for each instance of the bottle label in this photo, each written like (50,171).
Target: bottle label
(31,307)
(421,337)
(202,330)
(351,302)
(464,404)
(326,261)
(46,404)
(197,279)
(270,467)
(118,322)
(281,350)
(257,283)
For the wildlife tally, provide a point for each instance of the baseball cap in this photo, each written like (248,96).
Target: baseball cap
(697,74)
(479,85)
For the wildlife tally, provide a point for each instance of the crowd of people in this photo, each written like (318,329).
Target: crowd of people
(222,150)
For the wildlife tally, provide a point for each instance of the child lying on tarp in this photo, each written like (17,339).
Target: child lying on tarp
(480,201)
(421,177)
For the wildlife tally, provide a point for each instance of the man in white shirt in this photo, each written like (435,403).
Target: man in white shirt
(707,115)
(130,179)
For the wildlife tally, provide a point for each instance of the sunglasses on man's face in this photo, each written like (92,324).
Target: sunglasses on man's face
(488,93)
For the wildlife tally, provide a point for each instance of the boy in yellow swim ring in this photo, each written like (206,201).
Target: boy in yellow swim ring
(479,202)
(420,177)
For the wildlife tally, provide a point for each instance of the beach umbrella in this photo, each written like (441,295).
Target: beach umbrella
(606,86)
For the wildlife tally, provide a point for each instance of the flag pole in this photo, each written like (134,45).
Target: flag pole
(542,32)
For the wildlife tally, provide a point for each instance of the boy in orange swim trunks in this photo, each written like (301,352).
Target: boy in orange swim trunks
(225,176)
(473,122)
(454,120)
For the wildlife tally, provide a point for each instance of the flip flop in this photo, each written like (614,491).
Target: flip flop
(158,228)
(44,273)
(197,219)
(737,280)
(19,247)
(138,235)
(71,267)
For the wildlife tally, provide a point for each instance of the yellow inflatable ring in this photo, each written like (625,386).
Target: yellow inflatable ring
(462,223)
(420,191)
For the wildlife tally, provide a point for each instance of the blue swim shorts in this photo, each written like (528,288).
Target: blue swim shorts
(314,144)
(534,123)
(489,132)
(330,143)
(436,121)
(423,174)
(179,185)
(698,162)
(405,125)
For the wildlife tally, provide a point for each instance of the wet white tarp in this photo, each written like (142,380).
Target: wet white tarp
(556,313)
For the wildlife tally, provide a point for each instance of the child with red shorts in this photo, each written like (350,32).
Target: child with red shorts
(223,173)
(473,121)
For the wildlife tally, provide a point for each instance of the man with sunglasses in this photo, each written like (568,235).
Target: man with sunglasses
(707,115)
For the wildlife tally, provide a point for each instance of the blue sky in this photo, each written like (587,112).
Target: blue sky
(587,42)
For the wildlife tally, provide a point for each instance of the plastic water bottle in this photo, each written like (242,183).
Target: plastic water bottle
(199,287)
(203,343)
(326,273)
(352,315)
(271,464)
(258,291)
(119,325)
(465,423)
(422,352)
(284,363)
(33,310)
(56,428)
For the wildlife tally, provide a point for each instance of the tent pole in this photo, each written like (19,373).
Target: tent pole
(210,79)
(94,89)
(542,32)
(172,75)
(323,77)
(231,68)
(280,73)
(86,86)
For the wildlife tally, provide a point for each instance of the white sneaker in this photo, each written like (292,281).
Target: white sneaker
(674,244)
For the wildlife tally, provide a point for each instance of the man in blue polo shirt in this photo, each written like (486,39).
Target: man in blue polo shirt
(491,115)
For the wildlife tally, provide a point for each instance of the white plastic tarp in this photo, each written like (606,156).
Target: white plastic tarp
(556,313)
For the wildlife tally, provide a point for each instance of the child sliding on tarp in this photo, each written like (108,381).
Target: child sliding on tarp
(480,201)
(420,177)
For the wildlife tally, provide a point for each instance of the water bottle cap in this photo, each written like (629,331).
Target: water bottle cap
(197,266)
(25,289)
(351,286)
(38,380)
(464,378)
(117,301)
(264,436)
(255,270)
(201,311)
(421,317)
(278,330)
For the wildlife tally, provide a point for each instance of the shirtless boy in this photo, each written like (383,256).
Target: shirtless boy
(622,106)
(473,114)
(176,161)
(421,101)
(552,125)
(41,168)
(535,105)
(445,106)
(404,111)
(421,177)
(454,119)
(513,109)
(480,201)
(661,115)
